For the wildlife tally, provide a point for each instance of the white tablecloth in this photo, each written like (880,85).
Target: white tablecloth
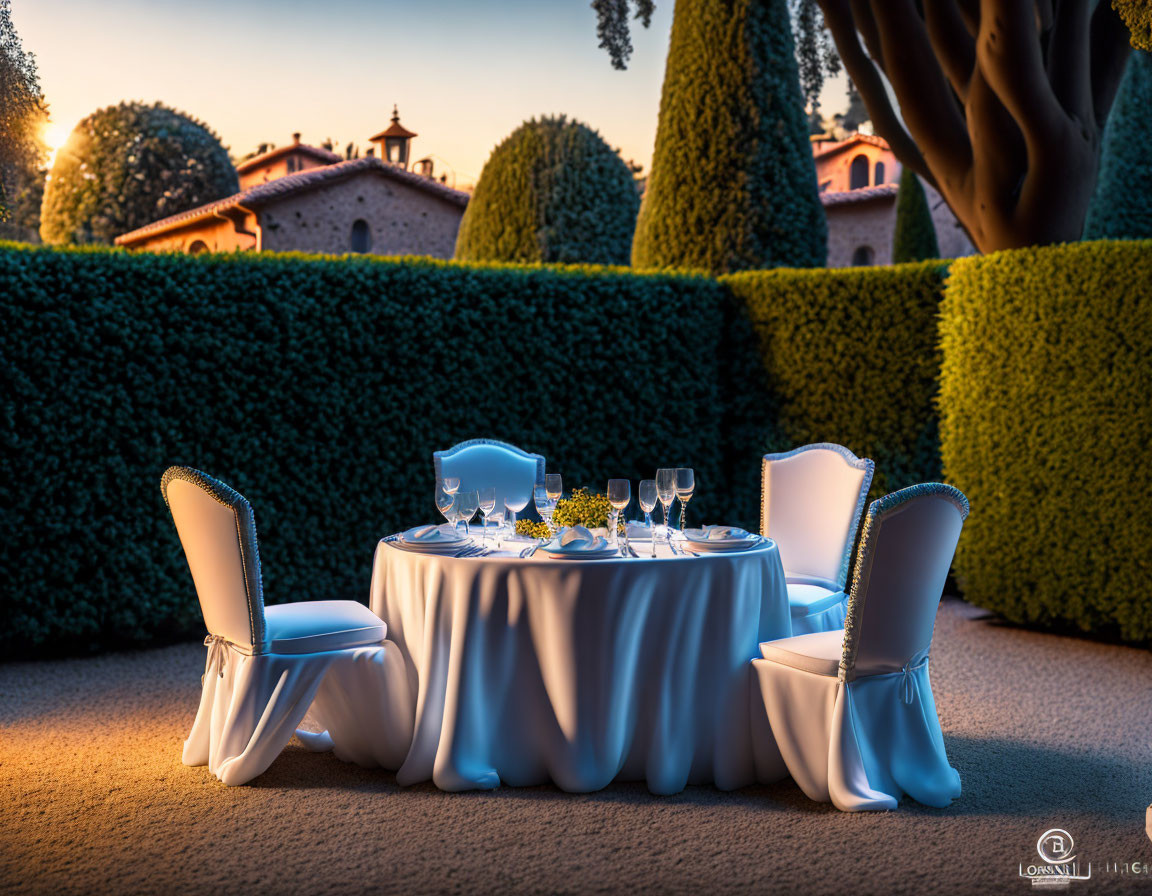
(580,672)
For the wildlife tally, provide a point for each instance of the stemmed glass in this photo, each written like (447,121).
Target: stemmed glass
(554,486)
(497,517)
(450,484)
(544,505)
(467,503)
(514,504)
(487,506)
(685,485)
(445,501)
(666,491)
(619,496)
(647,497)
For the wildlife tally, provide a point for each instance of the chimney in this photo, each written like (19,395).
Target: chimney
(370,151)
(296,139)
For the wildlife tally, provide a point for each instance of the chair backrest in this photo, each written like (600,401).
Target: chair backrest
(218,532)
(811,502)
(906,549)
(488,463)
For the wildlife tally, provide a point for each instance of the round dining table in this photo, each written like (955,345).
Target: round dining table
(529,670)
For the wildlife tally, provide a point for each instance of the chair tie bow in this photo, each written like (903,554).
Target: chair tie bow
(907,681)
(217,655)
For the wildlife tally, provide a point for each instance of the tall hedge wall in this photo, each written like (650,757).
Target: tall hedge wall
(319,389)
(1046,405)
(850,356)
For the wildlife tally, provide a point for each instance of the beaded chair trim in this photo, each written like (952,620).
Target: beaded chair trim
(858,463)
(878,511)
(245,537)
(438,456)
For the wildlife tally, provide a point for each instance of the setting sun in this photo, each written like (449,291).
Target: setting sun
(55,136)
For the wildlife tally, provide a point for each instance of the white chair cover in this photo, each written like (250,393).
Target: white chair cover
(488,463)
(811,503)
(265,668)
(852,714)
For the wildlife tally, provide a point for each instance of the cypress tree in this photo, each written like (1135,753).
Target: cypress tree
(1122,204)
(552,191)
(915,238)
(732,185)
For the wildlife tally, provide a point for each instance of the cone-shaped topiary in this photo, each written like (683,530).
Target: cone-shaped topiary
(915,237)
(128,165)
(552,191)
(732,185)
(1122,204)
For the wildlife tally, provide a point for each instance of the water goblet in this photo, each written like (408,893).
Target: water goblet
(445,502)
(666,491)
(647,496)
(555,487)
(467,503)
(685,485)
(450,484)
(487,501)
(544,505)
(497,519)
(619,496)
(514,504)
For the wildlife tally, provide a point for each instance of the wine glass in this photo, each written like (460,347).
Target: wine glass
(514,504)
(450,484)
(445,502)
(647,496)
(544,504)
(666,491)
(467,503)
(685,485)
(555,487)
(496,516)
(487,501)
(619,496)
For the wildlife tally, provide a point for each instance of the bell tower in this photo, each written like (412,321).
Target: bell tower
(395,142)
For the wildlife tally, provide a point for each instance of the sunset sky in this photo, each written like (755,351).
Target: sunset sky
(464,74)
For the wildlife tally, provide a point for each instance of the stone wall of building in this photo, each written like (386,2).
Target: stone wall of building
(215,235)
(856,225)
(401,219)
(950,236)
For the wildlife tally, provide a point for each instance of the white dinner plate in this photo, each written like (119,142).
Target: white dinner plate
(425,548)
(721,547)
(582,555)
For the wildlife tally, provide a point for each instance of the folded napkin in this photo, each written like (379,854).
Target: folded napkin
(576,539)
(430,535)
(716,533)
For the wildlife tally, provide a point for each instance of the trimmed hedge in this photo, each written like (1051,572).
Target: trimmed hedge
(1046,405)
(318,388)
(553,191)
(850,356)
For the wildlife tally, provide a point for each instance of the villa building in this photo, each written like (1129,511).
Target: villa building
(858,180)
(301,198)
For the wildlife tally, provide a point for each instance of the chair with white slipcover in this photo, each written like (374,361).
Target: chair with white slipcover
(811,503)
(267,665)
(490,463)
(851,712)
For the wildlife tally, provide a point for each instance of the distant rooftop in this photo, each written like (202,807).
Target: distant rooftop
(321,155)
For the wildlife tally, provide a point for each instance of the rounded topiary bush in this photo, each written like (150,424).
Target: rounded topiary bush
(127,165)
(552,191)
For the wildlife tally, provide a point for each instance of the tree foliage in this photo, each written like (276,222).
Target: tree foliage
(1137,15)
(732,184)
(915,238)
(22,115)
(552,191)
(127,165)
(1122,205)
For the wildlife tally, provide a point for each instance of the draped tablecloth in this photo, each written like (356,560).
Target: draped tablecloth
(580,672)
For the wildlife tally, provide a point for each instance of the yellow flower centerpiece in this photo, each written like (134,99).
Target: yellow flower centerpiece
(583,508)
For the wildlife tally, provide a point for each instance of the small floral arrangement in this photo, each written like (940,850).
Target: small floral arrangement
(583,508)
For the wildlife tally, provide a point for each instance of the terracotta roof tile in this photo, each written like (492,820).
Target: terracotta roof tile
(272,155)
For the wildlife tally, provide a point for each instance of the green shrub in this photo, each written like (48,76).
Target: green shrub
(1122,204)
(552,191)
(915,237)
(850,356)
(128,165)
(318,388)
(732,185)
(1046,403)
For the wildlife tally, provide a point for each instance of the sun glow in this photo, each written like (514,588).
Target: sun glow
(55,136)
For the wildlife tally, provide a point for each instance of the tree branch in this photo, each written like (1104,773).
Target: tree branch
(838,18)
(953,45)
(1110,49)
(927,103)
(1068,58)
(999,158)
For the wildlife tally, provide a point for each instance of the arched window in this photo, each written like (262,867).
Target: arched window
(197,247)
(879,178)
(862,257)
(858,173)
(361,236)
